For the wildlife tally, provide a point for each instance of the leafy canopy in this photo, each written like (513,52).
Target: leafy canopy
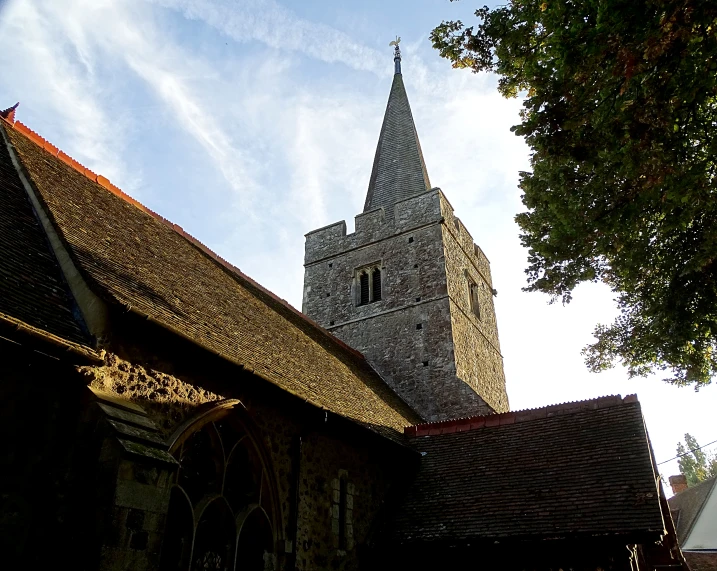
(694,464)
(620,111)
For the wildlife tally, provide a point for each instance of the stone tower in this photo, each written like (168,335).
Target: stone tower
(409,288)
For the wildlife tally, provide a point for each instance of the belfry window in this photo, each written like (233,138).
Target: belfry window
(365,289)
(368,284)
(376,282)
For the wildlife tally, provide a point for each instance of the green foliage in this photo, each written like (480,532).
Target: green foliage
(694,464)
(620,112)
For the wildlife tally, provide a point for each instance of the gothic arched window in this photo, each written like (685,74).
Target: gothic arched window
(222,502)
(369,284)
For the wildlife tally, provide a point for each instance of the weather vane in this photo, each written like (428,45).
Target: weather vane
(396,53)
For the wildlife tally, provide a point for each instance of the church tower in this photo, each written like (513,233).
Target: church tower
(409,288)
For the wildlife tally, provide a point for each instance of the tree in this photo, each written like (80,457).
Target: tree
(694,464)
(620,112)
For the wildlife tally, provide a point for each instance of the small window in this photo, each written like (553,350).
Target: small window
(369,286)
(342,492)
(474,298)
(343,485)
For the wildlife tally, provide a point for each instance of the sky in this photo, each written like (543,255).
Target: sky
(250,123)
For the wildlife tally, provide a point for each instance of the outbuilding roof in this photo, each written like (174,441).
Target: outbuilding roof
(688,504)
(574,470)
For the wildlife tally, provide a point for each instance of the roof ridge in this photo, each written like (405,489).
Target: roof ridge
(8,118)
(513,417)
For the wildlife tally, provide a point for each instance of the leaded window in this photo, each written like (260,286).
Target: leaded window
(221,502)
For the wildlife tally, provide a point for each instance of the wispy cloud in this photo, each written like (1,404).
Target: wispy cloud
(59,82)
(276,26)
(62,43)
(168,70)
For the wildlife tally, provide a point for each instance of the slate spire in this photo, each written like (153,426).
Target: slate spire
(398,167)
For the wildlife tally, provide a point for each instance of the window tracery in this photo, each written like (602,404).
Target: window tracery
(222,501)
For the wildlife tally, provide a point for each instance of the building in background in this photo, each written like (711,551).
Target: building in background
(694,511)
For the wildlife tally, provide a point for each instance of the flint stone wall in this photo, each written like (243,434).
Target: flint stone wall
(170,379)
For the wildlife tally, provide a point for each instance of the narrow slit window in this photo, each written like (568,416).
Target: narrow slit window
(475,299)
(342,512)
(376,278)
(364,293)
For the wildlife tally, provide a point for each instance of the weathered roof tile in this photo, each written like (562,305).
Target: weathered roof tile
(585,471)
(32,289)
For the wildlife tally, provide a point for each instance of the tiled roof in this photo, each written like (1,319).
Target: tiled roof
(398,167)
(577,470)
(32,289)
(687,505)
(701,561)
(135,258)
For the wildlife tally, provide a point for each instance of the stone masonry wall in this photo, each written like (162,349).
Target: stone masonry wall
(477,347)
(170,382)
(325,462)
(435,357)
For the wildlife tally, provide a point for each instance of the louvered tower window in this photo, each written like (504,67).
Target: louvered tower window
(376,283)
(365,294)
(369,286)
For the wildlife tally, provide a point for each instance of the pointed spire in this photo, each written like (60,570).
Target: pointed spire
(398,167)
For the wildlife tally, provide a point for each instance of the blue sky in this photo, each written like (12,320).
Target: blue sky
(250,123)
